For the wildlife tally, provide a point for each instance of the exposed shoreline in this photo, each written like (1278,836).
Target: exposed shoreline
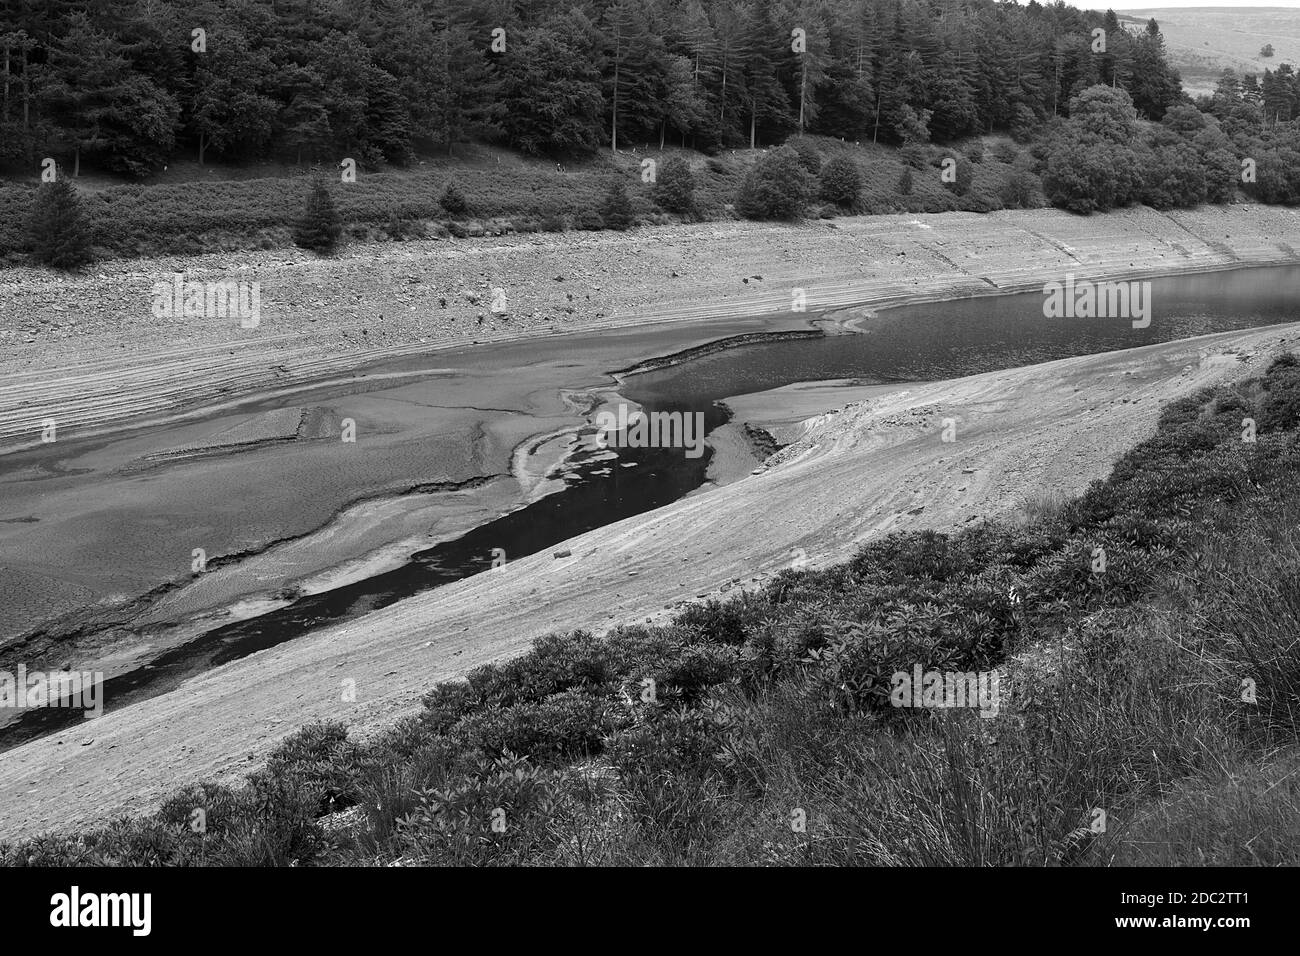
(114,366)
(444,430)
(711,348)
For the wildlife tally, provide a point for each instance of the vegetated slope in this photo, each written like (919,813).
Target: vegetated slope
(1144,633)
(505,193)
(362,90)
(1202,42)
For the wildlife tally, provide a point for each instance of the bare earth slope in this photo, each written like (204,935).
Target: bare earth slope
(875,466)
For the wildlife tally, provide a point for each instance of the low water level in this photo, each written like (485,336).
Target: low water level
(913,343)
(967,336)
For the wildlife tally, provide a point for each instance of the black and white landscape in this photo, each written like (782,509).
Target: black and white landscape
(648,433)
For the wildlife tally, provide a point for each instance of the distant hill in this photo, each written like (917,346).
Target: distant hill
(1204,41)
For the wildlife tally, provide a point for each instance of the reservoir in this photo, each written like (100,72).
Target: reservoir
(905,344)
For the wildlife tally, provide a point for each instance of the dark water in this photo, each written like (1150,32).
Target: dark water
(914,343)
(968,336)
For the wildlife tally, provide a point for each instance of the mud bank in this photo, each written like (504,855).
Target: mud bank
(97,535)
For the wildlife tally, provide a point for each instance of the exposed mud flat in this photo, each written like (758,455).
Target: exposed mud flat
(790,412)
(281,504)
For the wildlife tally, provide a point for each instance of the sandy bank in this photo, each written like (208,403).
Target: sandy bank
(878,465)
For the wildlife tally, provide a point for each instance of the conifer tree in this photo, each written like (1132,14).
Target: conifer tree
(319,228)
(617,207)
(675,186)
(59,233)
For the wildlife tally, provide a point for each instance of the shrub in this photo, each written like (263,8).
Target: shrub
(975,151)
(1231,403)
(617,207)
(669,773)
(1006,152)
(1181,411)
(453,824)
(569,724)
(840,181)
(1277,177)
(401,229)
(1280,407)
(1087,173)
(59,234)
(321,759)
(915,155)
(961,177)
(810,158)
(1017,189)
(589,220)
(1284,361)
(912,126)
(674,187)
(453,201)
(906,182)
(777,187)
(319,228)
(1173,177)
(981,201)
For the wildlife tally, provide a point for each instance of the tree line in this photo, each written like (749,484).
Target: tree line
(131,84)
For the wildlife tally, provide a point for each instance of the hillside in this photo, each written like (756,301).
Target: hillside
(1202,42)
